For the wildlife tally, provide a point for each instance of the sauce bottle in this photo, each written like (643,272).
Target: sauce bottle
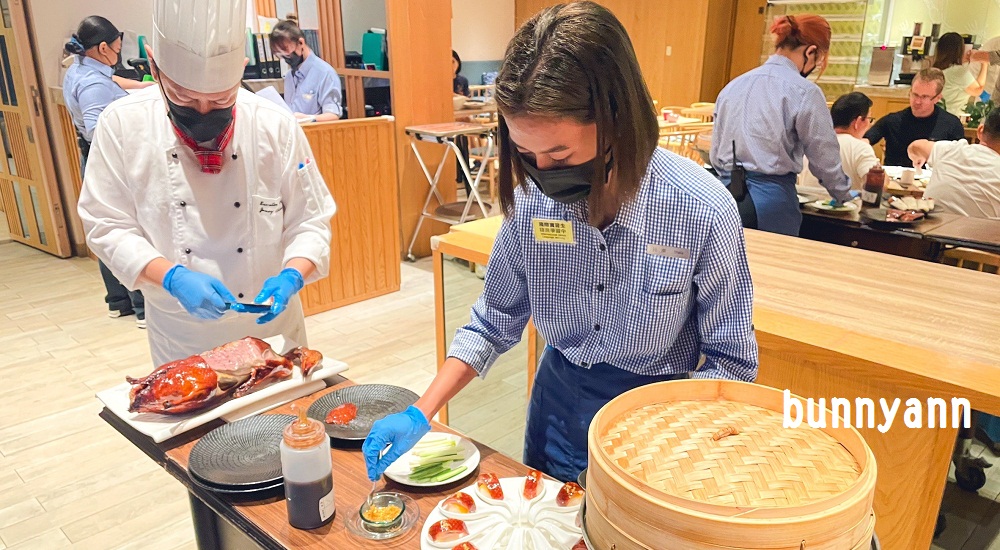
(871,194)
(308,471)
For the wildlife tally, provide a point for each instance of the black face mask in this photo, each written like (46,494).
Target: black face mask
(200,127)
(294,60)
(803,72)
(565,185)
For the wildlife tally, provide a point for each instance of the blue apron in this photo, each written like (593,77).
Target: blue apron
(775,201)
(564,399)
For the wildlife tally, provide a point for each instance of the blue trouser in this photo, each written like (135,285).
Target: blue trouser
(990,425)
(117,296)
(775,202)
(564,399)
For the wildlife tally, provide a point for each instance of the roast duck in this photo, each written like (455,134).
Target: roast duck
(197,382)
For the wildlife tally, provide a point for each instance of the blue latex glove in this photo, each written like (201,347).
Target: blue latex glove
(855,194)
(401,430)
(281,287)
(203,296)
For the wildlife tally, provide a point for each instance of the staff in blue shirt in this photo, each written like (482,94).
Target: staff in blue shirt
(88,87)
(630,259)
(775,115)
(312,87)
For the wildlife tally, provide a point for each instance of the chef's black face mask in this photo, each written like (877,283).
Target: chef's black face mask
(197,126)
(565,185)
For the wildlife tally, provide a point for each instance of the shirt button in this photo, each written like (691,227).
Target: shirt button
(239,250)
(597,327)
(236,204)
(600,288)
(234,156)
(187,250)
(240,295)
(173,155)
(602,247)
(182,203)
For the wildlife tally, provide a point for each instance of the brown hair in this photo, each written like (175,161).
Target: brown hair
(286,31)
(950,51)
(792,31)
(576,61)
(932,74)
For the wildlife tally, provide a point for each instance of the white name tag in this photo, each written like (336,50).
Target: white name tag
(668,251)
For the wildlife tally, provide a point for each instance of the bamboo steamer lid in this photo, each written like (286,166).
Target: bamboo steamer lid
(662,467)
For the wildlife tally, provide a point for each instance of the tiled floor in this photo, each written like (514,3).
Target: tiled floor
(67,480)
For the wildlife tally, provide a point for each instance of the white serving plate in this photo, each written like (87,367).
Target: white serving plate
(399,471)
(160,427)
(513,524)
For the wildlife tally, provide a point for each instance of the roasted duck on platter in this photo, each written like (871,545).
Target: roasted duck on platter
(200,381)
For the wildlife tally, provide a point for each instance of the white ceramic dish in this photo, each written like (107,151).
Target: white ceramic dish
(399,471)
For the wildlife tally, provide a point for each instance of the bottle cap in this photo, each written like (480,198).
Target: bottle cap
(304,432)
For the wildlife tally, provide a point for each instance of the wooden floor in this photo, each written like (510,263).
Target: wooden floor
(67,480)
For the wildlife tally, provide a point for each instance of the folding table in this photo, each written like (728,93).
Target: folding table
(446,134)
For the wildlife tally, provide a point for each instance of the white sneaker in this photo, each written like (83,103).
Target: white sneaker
(140,323)
(114,313)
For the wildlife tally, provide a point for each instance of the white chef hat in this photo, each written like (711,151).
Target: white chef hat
(200,44)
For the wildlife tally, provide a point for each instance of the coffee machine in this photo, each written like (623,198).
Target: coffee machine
(916,51)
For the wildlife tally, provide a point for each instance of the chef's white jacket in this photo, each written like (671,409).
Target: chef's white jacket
(145,196)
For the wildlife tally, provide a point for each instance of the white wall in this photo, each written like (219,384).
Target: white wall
(56,20)
(480,29)
(358,17)
(978,17)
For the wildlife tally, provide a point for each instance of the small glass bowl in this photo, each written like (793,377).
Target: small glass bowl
(381,500)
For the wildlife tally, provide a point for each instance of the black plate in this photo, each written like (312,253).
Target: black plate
(374,401)
(241,455)
(237,490)
(878,216)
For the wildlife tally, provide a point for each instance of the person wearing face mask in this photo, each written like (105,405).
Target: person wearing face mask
(629,259)
(312,86)
(770,117)
(88,88)
(219,204)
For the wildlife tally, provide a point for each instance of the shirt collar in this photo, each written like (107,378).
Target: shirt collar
(303,69)
(629,216)
(782,61)
(96,65)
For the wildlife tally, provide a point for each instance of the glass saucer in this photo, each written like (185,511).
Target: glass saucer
(411,514)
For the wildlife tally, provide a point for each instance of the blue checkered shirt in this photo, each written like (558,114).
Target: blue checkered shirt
(666,282)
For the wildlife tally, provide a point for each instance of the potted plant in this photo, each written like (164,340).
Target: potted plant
(977,112)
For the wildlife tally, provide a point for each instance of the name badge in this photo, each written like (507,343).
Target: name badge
(668,251)
(553,231)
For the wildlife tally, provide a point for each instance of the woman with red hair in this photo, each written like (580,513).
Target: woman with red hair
(769,118)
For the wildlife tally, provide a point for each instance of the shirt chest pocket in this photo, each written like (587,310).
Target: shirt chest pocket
(268,219)
(663,276)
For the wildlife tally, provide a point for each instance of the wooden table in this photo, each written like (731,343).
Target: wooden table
(829,323)
(222,521)
(969,232)
(465,114)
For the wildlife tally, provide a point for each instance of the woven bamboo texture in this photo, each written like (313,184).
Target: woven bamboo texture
(670,447)
(707,464)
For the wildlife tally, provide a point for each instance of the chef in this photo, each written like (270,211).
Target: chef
(203,195)
(630,259)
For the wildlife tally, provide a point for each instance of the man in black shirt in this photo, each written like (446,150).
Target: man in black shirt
(922,120)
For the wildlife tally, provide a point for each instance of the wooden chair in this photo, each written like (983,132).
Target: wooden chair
(977,260)
(704,113)
(699,104)
(681,142)
(482,90)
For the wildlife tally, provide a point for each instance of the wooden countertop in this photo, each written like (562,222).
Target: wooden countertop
(933,323)
(351,487)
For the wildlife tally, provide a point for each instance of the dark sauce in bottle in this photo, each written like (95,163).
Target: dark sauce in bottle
(306,503)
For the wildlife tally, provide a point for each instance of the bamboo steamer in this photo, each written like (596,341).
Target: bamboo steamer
(657,478)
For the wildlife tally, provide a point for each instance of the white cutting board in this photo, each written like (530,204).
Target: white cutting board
(160,427)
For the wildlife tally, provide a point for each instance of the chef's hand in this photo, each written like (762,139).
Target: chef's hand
(281,287)
(401,430)
(201,295)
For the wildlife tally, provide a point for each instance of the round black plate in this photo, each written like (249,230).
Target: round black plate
(877,216)
(237,490)
(374,401)
(242,454)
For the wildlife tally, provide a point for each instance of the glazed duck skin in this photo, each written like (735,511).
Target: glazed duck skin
(200,381)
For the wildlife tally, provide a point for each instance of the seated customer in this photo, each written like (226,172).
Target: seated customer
(922,120)
(966,178)
(312,87)
(851,119)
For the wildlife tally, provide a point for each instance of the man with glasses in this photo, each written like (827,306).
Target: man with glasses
(850,114)
(924,119)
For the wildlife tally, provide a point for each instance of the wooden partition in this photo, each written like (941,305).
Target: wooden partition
(364,250)
(681,44)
